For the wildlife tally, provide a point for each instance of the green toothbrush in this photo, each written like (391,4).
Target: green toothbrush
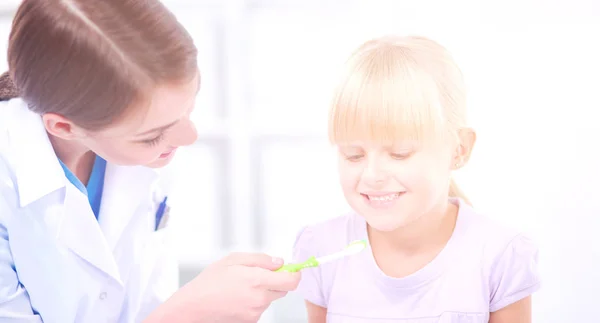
(353,248)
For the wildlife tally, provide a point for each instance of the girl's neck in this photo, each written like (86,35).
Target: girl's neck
(430,231)
(78,158)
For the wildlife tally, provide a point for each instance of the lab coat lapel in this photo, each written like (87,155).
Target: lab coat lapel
(81,234)
(38,173)
(127,192)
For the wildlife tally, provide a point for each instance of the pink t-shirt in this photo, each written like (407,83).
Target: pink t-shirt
(483,268)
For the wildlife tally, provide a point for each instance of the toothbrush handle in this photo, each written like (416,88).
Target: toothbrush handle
(292,268)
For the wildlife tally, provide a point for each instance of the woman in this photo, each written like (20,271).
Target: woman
(98,95)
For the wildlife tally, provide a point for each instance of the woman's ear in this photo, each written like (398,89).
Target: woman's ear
(60,126)
(466,141)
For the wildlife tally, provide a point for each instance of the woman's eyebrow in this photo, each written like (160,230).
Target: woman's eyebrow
(157,129)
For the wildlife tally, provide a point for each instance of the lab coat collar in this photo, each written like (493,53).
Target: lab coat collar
(126,196)
(37,169)
(38,173)
(79,232)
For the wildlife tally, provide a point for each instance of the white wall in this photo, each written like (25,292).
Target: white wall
(262,168)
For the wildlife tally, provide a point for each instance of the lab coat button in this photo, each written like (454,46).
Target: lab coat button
(103,295)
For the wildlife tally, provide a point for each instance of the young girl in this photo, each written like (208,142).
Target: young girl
(398,119)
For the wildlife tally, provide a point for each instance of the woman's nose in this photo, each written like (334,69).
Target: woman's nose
(185,134)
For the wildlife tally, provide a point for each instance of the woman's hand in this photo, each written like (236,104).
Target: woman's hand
(238,288)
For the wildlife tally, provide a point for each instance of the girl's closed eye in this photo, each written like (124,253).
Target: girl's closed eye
(354,157)
(400,156)
(352,154)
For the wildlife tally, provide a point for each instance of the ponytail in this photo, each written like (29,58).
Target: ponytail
(8,90)
(456,192)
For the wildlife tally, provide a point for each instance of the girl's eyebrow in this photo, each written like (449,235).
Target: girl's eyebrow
(350,147)
(401,147)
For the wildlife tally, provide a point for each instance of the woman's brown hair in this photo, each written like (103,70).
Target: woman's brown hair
(90,60)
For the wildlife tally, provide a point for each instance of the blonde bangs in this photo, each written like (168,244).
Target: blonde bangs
(385,97)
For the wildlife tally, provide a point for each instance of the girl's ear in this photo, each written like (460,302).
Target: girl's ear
(466,141)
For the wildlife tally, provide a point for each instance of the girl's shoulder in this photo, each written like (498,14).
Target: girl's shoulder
(490,236)
(508,257)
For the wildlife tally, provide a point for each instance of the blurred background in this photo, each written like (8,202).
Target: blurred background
(262,168)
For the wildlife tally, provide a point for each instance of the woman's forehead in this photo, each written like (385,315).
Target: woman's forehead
(167,105)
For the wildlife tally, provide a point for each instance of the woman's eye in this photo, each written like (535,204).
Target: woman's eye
(154,141)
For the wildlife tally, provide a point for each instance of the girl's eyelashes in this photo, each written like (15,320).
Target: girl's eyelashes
(154,141)
(353,157)
(393,155)
(400,156)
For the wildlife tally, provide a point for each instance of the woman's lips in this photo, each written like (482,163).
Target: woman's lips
(167,154)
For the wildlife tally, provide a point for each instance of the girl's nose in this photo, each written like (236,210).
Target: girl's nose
(373,173)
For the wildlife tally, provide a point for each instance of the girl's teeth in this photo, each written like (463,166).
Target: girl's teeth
(384,197)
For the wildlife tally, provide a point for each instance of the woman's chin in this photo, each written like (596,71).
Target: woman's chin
(160,162)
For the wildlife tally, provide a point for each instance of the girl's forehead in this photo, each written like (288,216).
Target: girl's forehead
(429,148)
(397,144)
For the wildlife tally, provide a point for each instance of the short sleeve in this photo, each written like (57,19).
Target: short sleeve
(515,274)
(310,286)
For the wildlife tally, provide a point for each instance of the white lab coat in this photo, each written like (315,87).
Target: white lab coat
(58,264)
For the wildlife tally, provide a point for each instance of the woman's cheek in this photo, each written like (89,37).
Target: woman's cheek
(137,155)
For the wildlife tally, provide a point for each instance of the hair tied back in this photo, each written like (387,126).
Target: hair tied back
(8,90)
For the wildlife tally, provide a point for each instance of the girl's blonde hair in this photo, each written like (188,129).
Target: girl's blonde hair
(398,88)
